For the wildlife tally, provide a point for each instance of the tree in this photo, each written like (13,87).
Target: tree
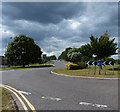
(53,57)
(86,51)
(64,54)
(74,56)
(103,47)
(23,51)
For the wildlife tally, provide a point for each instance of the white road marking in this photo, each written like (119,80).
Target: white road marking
(95,105)
(23,92)
(51,98)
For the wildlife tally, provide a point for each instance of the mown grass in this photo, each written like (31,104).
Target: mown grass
(7,102)
(85,72)
(26,67)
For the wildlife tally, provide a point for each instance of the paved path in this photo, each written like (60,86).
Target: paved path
(52,92)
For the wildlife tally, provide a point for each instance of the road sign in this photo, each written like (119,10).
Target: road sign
(99,63)
(94,63)
(106,63)
(111,63)
(89,63)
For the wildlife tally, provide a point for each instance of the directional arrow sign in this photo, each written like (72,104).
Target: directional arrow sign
(111,63)
(106,63)
(94,63)
(89,63)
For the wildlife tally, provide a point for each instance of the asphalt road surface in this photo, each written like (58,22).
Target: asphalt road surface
(53,92)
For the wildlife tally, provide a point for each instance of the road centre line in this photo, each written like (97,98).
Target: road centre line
(51,98)
(22,103)
(95,105)
(29,104)
(16,92)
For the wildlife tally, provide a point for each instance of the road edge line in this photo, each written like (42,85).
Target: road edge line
(17,96)
(84,76)
(27,101)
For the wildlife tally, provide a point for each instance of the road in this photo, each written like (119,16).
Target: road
(53,92)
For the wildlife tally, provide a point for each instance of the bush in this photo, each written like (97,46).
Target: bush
(72,66)
(82,65)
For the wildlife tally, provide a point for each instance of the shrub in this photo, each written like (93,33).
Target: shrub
(72,66)
(82,65)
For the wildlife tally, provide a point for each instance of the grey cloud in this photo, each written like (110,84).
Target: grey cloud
(52,12)
(43,21)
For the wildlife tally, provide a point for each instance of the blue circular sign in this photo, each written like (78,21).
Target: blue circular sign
(99,63)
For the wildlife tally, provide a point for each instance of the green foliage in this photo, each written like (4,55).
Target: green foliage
(82,65)
(74,56)
(86,51)
(103,47)
(22,51)
(64,54)
(53,57)
(72,66)
(44,60)
(109,59)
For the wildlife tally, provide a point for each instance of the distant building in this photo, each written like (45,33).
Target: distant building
(44,56)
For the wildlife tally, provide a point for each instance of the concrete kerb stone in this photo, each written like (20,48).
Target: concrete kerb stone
(100,78)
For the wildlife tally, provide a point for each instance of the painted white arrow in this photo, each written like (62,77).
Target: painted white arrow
(23,92)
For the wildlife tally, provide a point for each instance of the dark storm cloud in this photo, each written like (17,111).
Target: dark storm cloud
(55,26)
(42,12)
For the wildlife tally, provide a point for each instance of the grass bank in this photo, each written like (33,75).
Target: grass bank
(7,102)
(84,72)
(26,67)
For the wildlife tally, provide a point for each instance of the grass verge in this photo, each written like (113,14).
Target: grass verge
(7,102)
(26,67)
(84,72)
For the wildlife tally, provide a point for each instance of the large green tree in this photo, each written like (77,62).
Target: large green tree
(22,51)
(86,51)
(103,47)
(64,54)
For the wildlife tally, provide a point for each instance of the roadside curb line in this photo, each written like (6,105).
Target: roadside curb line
(28,68)
(84,77)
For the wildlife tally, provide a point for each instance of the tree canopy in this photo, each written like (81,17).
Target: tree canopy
(64,54)
(22,51)
(74,56)
(101,48)
(53,57)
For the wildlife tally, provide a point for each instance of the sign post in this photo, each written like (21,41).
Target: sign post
(94,63)
(112,64)
(99,63)
(104,63)
(89,63)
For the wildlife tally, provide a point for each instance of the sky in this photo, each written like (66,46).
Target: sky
(58,25)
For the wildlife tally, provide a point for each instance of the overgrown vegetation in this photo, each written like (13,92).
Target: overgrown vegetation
(7,101)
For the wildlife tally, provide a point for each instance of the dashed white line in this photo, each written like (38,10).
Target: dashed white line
(95,105)
(51,98)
